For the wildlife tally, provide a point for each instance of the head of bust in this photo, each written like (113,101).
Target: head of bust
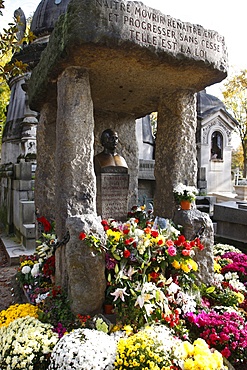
(109,140)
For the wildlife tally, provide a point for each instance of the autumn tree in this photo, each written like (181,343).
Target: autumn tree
(235,100)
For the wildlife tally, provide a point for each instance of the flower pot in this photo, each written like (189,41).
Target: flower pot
(108,309)
(185,205)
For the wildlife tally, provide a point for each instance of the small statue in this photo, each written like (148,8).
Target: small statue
(109,157)
(21,19)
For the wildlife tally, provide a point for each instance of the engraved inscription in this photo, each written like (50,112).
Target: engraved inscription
(147,26)
(112,191)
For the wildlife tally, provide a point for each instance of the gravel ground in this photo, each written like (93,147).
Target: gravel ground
(9,291)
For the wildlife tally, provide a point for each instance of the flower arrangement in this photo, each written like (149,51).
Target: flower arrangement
(26,343)
(141,256)
(150,348)
(35,273)
(150,274)
(198,356)
(184,192)
(226,331)
(84,349)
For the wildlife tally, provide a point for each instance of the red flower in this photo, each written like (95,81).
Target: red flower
(154,276)
(104,222)
(45,223)
(180,240)
(49,266)
(226,352)
(199,244)
(128,241)
(126,231)
(187,245)
(186,252)
(82,236)
(154,233)
(126,253)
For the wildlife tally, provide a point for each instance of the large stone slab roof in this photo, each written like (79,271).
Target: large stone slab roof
(133,54)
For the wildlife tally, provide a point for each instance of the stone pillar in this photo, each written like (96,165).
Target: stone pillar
(75,179)
(175,153)
(45,171)
(79,269)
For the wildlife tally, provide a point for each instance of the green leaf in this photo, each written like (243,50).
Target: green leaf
(211,289)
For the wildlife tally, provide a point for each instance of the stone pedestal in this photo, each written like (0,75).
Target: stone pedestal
(81,268)
(112,193)
(198,224)
(241,191)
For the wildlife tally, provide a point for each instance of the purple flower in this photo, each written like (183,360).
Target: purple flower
(110,262)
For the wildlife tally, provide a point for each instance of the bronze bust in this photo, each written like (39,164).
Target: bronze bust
(109,157)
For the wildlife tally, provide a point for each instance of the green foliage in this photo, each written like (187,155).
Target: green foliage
(56,309)
(235,100)
(238,158)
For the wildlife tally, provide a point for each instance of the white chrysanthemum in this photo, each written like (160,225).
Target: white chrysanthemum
(84,349)
(25,341)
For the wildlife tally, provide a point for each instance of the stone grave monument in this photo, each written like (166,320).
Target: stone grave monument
(112,179)
(108,63)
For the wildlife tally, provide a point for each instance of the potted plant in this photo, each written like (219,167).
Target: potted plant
(185,195)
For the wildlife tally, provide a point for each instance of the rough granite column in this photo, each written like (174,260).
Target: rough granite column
(76,194)
(175,152)
(45,172)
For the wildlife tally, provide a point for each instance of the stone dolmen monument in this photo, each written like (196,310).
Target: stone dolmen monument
(108,63)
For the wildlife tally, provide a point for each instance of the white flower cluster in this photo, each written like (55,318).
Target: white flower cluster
(25,342)
(233,280)
(35,270)
(84,349)
(182,189)
(220,249)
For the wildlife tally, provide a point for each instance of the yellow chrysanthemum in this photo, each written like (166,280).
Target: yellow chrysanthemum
(189,364)
(16,311)
(188,348)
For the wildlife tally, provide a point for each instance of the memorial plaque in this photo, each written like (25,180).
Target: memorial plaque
(112,195)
